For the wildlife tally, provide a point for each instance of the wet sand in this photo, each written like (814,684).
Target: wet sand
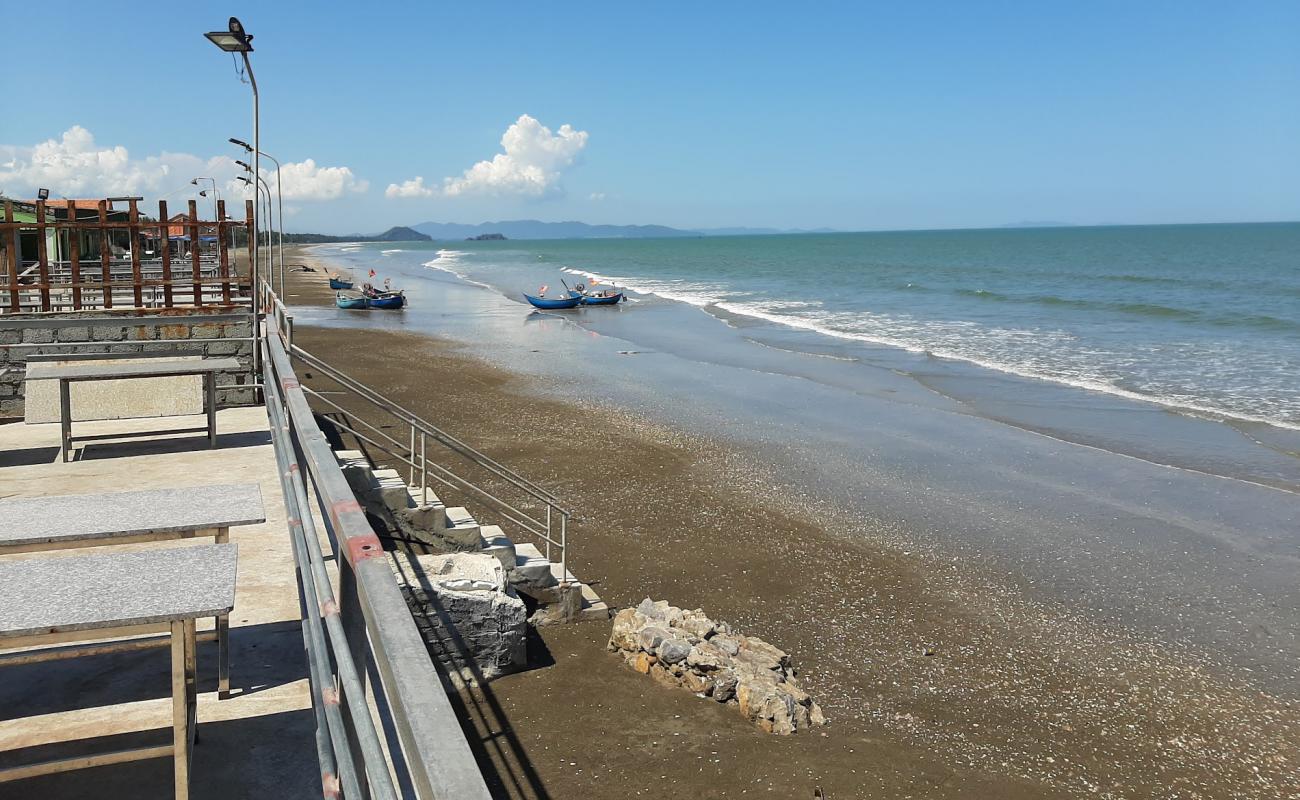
(938,678)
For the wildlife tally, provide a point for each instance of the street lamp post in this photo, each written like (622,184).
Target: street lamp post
(265,211)
(216,194)
(236,40)
(279,197)
(276,252)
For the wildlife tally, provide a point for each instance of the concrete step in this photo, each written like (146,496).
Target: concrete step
(497,544)
(593,608)
(392,488)
(418,499)
(460,520)
(532,565)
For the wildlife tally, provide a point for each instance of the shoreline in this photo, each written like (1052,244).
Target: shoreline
(1018,699)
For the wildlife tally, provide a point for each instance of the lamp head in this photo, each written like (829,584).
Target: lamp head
(233,40)
(245,166)
(247,147)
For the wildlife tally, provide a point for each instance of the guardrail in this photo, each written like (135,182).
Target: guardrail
(548,524)
(367,622)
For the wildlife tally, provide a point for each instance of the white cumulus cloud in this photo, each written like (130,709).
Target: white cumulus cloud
(411,188)
(531,166)
(75,165)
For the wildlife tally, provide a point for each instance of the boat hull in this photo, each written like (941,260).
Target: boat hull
(352,303)
(611,300)
(390,302)
(336,284)
(547,304)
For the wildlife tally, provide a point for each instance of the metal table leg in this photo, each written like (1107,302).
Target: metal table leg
(65,417)
(184,699)
(210,400)
(223,637)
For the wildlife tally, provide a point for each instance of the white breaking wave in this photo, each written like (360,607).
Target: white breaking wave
(449,261)
(390,252)
(939,348)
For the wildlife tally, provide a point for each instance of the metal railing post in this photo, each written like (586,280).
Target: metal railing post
(548,531)
(424,472)
(564,546)
(411,453)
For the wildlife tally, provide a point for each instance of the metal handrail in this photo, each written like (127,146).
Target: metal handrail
(544,531)
(522,519)
(369,621)
(429,428)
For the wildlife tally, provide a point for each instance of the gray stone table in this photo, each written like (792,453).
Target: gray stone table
(111,369)
(80,599)
(29,524)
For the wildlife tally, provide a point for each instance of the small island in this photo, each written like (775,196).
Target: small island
(486,237)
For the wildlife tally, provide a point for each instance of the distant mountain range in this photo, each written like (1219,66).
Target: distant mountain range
(395,234)
(535,229)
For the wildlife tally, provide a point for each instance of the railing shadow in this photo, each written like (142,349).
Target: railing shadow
(506,766)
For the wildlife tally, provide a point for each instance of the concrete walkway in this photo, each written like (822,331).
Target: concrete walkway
(260,742)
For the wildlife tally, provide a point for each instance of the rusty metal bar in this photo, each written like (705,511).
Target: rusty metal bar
(133,216)
(165,232)
(223,251)
(12,251)
(105,256)
(74,253)
(42,257)
(197,267)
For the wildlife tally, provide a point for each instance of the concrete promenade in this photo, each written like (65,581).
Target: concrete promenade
(259,743)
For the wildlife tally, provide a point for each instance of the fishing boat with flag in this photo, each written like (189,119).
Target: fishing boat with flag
(548,304)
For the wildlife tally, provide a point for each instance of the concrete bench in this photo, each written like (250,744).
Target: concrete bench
(29,524)
(88,598)
(113,369)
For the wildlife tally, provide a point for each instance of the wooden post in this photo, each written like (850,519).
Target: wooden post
(250,226)
(105,254)
(136,277)
(74,253)
(197,267)
(223,251)
(11,248)
(42,255)
(165,231)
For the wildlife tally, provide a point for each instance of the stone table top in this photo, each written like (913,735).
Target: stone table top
(107,369)
(70,518)
(89,592)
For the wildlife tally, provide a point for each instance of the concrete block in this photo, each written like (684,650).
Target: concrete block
(74,334)
(10,336)
(223,348)
(38,335)
(107,333)
(474,624)
(206,331)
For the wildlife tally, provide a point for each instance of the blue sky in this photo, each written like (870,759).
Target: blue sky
(853,116)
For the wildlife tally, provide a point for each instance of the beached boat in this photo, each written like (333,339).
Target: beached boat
(390,300)
(598,300)
(339,283)
(552,305)
(351,302)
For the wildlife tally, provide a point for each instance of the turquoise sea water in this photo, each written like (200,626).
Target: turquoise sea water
(1198,317)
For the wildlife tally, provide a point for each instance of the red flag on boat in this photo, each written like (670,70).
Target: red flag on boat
(542,291)
(372,273)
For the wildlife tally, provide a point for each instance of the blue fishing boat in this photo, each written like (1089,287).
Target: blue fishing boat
(351,302)
(597,299)
(339,283)
(552,305)
(389,300)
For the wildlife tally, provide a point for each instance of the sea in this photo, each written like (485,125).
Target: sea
(1109,417)
(1202,318)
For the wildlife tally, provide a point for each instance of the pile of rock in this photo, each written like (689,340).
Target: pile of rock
(687,649)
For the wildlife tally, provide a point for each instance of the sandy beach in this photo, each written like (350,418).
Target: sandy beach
(941,678)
